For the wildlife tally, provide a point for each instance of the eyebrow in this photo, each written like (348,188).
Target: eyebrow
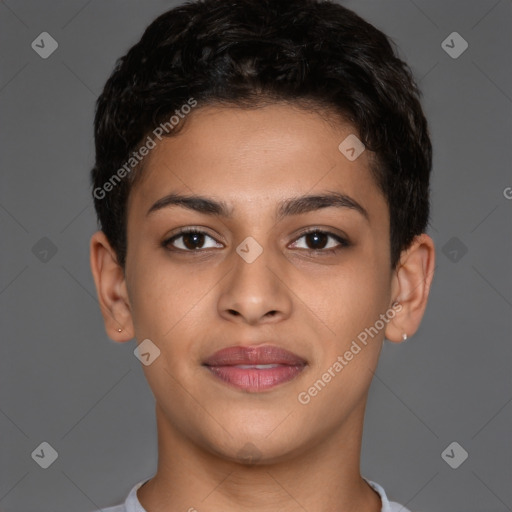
(288,207)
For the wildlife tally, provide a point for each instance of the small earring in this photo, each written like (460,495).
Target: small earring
(119,330)
(404,337)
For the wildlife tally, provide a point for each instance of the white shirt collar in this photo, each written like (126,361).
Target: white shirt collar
(132,503)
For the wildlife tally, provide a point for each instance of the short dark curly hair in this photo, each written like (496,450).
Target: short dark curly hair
(251,52)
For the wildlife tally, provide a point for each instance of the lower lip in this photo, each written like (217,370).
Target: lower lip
(253,379)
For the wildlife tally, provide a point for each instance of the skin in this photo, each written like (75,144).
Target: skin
(191,304)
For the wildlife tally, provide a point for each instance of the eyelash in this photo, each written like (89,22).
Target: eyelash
(343,243)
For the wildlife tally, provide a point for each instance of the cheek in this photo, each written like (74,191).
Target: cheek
(168,308)
(166,300)
(348,299)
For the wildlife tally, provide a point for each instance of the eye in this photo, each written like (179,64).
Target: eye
(319,240)
(191,240)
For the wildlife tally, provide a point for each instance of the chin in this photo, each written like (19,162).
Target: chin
(258,449)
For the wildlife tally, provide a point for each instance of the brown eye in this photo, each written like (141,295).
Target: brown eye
(317,240)
(191,240)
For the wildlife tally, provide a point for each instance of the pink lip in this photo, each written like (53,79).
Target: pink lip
(225,364)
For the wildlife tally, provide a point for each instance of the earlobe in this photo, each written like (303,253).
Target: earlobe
(111,289)
(411,287)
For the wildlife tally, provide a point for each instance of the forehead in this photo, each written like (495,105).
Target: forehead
(253,158)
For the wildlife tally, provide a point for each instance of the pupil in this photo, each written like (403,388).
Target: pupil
(316,235)
(187,238)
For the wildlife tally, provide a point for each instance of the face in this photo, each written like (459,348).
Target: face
(264,268)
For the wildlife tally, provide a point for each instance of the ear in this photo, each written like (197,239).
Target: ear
(111,289)
(411,286)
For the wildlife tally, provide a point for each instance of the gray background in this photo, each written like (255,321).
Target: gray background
(63,381)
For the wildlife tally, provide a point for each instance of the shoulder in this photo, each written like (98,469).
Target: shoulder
(117,508)
(387,506)
(131,504)
(396,507)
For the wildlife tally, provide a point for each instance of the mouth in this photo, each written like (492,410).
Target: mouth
(255,369)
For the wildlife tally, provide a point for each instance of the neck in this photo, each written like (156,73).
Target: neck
(324,477)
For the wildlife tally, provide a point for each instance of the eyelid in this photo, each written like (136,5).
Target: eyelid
(325,230)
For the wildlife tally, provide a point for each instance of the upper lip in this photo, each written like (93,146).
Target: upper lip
(262,354)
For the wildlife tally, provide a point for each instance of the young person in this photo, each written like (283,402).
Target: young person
(262,187)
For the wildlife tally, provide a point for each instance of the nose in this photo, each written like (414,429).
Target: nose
(256,292)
